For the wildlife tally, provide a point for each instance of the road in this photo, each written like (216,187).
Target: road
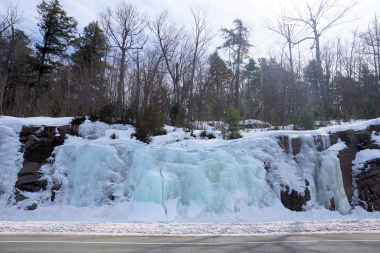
(120,244)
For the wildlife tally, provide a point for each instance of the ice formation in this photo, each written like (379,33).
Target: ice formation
(10,160)
(178,178)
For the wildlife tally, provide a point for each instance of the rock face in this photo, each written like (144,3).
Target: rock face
(346,156)
(293,143)
(355,141)
(295,200)
(38,143)
(368,182)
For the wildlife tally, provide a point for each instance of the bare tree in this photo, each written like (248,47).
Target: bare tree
(318,19)
(202,35)
(124,26)
(371,39)
(173,42)
(287,29)
(151,77)
(11,18)
(7,22)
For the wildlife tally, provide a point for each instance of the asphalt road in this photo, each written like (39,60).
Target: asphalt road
(74,243)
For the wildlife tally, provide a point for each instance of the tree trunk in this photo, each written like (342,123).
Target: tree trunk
(320,78)
(120,84)
(138,81)
(3,83)
(237,77)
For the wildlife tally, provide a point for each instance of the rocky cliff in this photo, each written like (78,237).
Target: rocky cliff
(368,180)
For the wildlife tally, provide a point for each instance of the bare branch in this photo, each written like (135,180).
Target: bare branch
(11,18)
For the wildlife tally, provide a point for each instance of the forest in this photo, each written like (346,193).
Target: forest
(127,67)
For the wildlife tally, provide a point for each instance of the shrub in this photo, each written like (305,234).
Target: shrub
(203,134)
(211,136)
(149,123)
(177,115)
(107,113)
(113,136)
(93,117)
(305,120)
(78,120)
(232,120)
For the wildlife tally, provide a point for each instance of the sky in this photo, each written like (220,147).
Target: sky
(222,12)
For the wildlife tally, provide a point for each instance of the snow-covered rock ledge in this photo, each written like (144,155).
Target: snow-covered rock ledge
(192,229)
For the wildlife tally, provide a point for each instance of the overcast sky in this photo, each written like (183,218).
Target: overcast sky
(223,12)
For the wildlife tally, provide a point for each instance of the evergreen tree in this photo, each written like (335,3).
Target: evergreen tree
(91,47)
(251,75)
(232,121)
(305,120)
(89,68)
(15,66)
(236,39)
(219,76)
(57,31)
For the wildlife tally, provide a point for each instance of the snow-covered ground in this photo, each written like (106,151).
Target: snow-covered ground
(180,184)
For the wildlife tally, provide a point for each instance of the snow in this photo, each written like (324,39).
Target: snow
(180,184)
(17,123)
(192,229)
(364,156)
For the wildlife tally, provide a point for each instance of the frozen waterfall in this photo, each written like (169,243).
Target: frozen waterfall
(173,180)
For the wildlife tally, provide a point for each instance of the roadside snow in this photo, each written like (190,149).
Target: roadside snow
(193,229)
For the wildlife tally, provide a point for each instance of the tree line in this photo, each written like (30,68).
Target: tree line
(126,67)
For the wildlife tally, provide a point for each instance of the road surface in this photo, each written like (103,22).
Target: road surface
(74,243)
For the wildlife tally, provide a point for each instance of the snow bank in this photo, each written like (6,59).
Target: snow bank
(193,229)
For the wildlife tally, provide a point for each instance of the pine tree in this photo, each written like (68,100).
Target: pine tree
(219,76)
(16,62)
(89,68)
(236,40)
(57,31)
(91,47)
(251,75)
